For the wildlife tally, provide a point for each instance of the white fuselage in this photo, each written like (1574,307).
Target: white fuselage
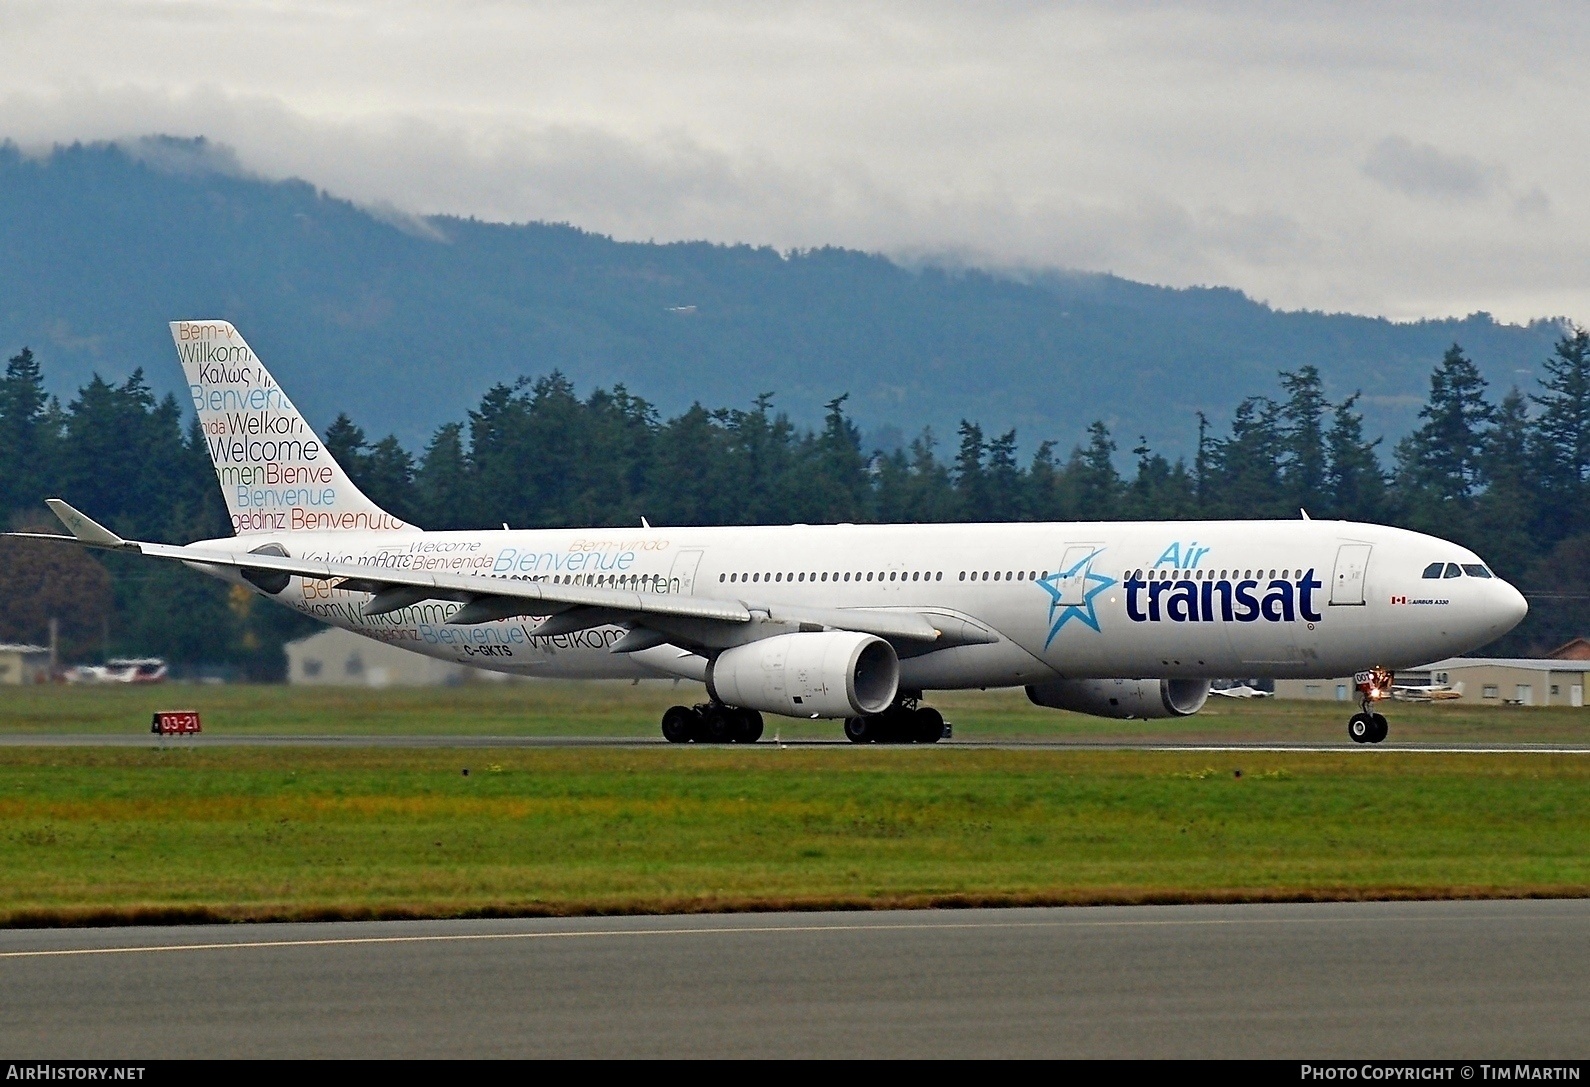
(1097,600)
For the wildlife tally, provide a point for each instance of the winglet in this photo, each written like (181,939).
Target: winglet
(86,529)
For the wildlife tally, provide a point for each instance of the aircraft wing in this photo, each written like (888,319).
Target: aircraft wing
(568,608)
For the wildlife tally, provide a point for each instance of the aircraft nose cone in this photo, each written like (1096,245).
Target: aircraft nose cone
(1511,607)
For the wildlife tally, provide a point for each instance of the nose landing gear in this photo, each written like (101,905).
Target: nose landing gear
(1366,726)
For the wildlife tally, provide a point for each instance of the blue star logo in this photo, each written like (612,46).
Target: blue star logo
(1061,612)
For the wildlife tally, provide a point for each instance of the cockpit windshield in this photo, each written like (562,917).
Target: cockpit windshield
(1452,569)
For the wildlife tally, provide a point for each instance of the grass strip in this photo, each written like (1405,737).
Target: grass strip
(109,835)
(567,708)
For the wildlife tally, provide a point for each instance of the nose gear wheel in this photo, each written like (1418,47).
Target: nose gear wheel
(1367,728)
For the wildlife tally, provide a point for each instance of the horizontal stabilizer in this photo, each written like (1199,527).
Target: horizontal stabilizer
(85,528)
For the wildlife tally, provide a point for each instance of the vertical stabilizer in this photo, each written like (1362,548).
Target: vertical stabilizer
(274,472)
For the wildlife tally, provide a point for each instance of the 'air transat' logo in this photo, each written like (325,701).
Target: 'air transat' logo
(1072,590)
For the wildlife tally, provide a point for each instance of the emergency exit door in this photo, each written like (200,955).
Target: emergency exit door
(682,578)
(1347,582)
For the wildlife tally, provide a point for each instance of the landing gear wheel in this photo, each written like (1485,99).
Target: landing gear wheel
(1360,727)
(747,726)
(1380,726)
(858,730)
(720,724)
(679,724)
(928,725)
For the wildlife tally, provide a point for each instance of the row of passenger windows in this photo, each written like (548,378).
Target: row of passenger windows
(610,581)
(1452,569)
(868,575)
(915,575)
(1207,575)
(1017,575)
(1434,570)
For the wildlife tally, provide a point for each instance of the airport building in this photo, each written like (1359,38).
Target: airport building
(24,664)
(340,658)
(1497,681)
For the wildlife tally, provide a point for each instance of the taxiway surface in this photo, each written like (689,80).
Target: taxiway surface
(1361,980)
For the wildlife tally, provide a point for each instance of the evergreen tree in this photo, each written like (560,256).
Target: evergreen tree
(25,446)
(1156,493)
(1505,510)
(345,443)
(444,489)
(1046,486)
(892,479)
(1303,436)
(1002,480)
(928,494)
(126,456)
(615,470)
(383,471)
(1095,482)
(971,483)
(839,487)
(493,445)
(1355,486)
(1203,465)
(1443,458)
(387,478)
(1246,466)
(760,447)
(198,508)
(695,479)
(1562,433)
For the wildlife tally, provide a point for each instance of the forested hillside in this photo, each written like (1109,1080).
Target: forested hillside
(407,323)
(1508,475)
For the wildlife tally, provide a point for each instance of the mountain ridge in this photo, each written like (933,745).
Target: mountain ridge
(404,322)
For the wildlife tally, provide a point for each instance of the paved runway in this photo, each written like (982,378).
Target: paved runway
(1434,979)
(141,739)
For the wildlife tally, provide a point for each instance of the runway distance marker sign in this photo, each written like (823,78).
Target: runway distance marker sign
(175,723)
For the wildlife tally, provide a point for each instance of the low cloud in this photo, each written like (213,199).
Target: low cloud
(1425,172)
(1180,144)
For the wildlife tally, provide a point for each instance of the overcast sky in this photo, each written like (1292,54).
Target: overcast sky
(1405,161)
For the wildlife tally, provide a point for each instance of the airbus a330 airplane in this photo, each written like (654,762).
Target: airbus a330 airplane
(851,622)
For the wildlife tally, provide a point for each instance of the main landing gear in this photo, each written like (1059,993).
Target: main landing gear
(711,723)
(902,723)
(1366,726)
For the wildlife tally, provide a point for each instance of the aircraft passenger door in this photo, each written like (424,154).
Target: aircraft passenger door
(895,570)
(682,578)
(1347,582)
(1071,580)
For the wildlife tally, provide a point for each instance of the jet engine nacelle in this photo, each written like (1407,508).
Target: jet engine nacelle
(819,674)
(1124,698)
